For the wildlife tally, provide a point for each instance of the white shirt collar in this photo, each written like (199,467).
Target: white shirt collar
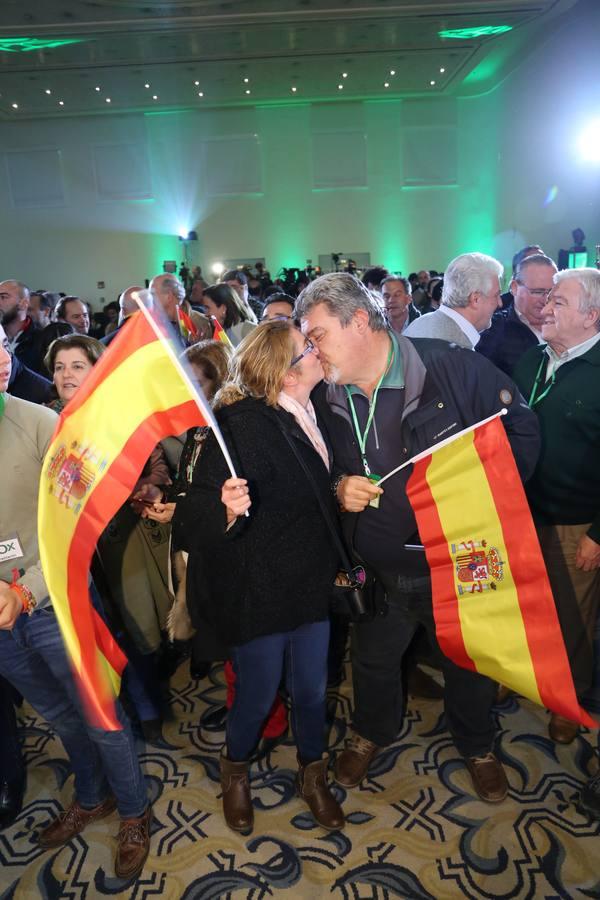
(533,330)
(465,326)
(556,360)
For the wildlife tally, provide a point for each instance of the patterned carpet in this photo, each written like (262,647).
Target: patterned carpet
(414,829)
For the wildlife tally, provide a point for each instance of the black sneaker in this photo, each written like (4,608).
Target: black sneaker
(589,797)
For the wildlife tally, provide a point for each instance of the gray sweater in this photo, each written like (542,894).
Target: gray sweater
(25,433)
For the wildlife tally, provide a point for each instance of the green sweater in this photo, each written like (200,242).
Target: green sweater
(25,433)
(565,487)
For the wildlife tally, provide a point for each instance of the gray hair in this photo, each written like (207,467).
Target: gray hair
(344,295)
(402,279)
(468,273)
(588,280)
(536,259)
(172,284)
(22,289)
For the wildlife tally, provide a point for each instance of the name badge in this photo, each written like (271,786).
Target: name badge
(10,548)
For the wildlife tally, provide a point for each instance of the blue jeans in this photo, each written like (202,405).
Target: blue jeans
(34,660)
(258,667)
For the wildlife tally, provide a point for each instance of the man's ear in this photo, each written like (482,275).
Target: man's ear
(474,297)
(360,320)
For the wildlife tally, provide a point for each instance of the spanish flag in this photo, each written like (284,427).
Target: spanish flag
(187,329)
(135,395)
(219,333)
(492,602)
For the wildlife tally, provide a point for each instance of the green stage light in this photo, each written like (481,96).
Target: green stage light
(467,34)
(26,44)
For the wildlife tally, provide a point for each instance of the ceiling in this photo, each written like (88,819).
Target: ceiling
(90,57)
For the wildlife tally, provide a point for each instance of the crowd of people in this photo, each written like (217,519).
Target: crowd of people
(316,387)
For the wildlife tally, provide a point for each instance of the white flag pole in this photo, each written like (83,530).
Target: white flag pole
(444,443)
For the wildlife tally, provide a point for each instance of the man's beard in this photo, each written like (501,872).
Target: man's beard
(331,374)
(10,315)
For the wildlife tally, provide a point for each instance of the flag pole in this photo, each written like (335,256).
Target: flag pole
(444,443)
(206,411)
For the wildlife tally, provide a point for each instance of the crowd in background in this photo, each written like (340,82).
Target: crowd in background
(183,533)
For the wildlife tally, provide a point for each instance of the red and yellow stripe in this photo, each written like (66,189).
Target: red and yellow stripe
(133,398)
(219,333)
(470,490)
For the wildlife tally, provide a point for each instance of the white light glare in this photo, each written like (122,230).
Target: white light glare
(217,269)
(182,232)
(48,91)
(15,105)
(97,88)
(442,70)
(588,142)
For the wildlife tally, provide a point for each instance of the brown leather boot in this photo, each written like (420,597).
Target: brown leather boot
(72,821)
(352,764)
(237,803)
(133,845)
(561,730)
(311,783)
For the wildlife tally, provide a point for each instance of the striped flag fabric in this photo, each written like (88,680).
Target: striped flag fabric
(219,333)
(187,329)
(492,602)
(136,394)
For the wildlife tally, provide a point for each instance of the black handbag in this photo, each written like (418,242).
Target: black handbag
(357,594)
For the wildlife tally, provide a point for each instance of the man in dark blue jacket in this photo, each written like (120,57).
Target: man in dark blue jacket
(388,398)
(519,328)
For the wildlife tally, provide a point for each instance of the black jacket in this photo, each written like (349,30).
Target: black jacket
(446,389)
(505,342)
(273,570)
(28,385)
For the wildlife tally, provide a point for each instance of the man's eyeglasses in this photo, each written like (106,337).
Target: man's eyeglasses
(536,292)
(308,349)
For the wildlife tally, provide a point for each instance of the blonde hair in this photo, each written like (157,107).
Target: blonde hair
(259,364)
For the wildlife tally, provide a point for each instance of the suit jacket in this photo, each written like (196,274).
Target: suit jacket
(507,340)
(440,326)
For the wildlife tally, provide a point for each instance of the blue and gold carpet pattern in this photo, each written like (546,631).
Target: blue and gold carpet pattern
(415,828)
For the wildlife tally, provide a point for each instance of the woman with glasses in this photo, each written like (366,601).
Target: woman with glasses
(263,565)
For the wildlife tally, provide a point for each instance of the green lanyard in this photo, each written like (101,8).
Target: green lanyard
(2,405)
(533,400)
(362,436)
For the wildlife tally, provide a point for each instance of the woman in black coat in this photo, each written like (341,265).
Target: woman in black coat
(263,580)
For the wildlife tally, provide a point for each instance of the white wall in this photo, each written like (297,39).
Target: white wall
(102,198)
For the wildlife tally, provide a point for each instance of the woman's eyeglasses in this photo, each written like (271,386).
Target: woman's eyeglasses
(308,349)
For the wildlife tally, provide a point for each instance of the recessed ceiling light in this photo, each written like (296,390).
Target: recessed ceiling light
(15,105)
(432,83)
(155,96)
(200,94)
(246,80)
(146,85)
(247,91)
(61,102)
(442,70)
(344,74)
(386,84)
(392,71)
(340,87)
(107,99)
(48,91)
(97,88)
(196,83)
(294,89)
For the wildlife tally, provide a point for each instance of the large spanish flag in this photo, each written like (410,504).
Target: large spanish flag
(135,395)
(492,602)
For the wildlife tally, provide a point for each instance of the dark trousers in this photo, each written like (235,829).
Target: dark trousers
(11,762)
(377,651)
(258,667)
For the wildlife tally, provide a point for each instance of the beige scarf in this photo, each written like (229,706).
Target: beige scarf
(307,420)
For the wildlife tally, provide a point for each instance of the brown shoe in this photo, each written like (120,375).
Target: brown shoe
(489,777)
(133,845)
(562,730)
(72,821)
(311,783)
(352,764)
(237,803)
